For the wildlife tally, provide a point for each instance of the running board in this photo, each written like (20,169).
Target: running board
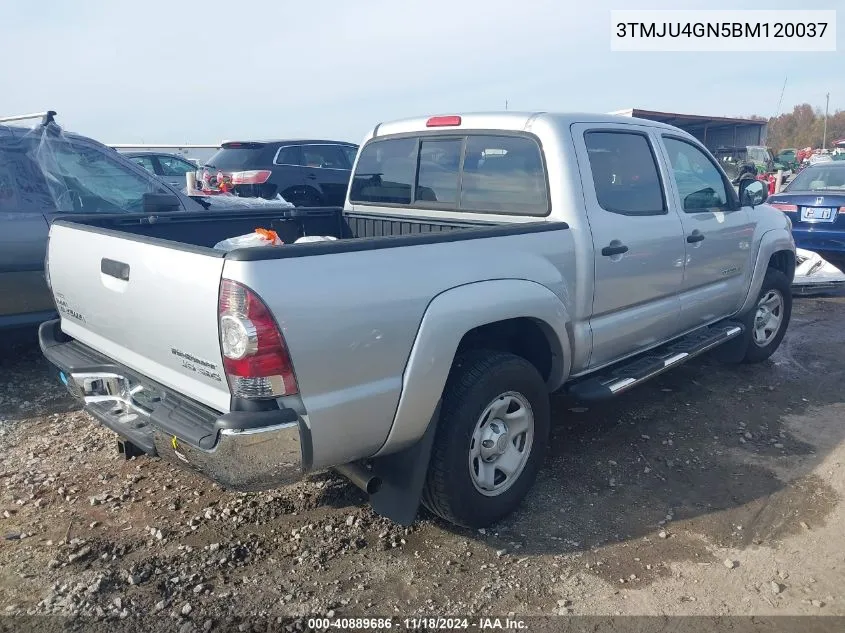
(618,378)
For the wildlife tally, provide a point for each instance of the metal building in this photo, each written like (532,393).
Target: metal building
(713,131)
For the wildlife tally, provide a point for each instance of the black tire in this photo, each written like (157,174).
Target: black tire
(476,380)
(744,349)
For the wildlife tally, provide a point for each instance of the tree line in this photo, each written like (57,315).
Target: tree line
(804,127)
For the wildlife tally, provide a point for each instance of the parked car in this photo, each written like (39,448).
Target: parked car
(788,159)
(815,203)
(730,159)
(819,158)
(171,168)
(482,262)
(307,173)
(46,174)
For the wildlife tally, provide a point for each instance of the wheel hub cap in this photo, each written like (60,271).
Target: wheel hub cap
(501,443)
(494,440)
(767,319)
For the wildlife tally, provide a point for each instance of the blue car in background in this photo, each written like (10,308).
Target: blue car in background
(815,202)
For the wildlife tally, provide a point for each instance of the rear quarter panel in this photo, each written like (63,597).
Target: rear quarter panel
(350,321)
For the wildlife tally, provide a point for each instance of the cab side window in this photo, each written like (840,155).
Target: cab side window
(625,173)
(701,187)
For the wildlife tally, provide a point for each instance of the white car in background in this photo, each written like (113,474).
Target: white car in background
(815,159)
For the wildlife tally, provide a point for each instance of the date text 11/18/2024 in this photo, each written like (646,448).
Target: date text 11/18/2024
(417,623)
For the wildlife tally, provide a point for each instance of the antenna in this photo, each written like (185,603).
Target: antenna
(780,101)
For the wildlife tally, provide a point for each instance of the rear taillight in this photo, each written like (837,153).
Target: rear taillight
(784,207)
(255,357)
(841,209)
(254,177)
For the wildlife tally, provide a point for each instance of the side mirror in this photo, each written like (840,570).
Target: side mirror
(160,203)
(752,192)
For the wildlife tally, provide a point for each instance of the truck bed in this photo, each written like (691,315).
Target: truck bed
(204,230)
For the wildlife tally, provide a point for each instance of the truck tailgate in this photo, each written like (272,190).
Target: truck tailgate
(145,304)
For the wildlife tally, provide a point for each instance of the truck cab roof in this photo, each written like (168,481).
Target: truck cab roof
(516,121)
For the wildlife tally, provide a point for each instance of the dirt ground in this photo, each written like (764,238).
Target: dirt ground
(712,490)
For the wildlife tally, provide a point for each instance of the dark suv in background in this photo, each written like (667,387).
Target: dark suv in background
(306,173)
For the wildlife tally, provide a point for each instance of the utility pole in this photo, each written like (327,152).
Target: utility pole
(782,90)
(826,105)
(506,104)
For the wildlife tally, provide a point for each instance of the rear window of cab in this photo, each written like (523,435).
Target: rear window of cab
(477,173)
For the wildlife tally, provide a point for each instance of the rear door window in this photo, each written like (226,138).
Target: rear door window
(289,155)
(324,156)
(625,173)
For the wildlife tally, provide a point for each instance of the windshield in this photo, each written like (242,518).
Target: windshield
(819,179)
(759,154)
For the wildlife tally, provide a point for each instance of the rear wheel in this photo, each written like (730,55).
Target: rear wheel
(491,439)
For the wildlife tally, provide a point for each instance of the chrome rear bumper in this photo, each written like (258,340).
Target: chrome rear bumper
(241,450)
(248,459)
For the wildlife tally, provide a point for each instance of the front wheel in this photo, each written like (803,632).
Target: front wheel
(491,439)
(768,320)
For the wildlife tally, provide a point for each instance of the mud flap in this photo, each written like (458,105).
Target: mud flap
(402,477)
(733,351)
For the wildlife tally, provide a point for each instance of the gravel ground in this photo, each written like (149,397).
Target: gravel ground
(712,490)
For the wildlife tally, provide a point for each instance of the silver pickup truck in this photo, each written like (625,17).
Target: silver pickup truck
(483,261)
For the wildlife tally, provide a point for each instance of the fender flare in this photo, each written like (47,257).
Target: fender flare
(770,243)
(448,317)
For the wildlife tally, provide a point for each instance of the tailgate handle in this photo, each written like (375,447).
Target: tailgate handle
(115,269)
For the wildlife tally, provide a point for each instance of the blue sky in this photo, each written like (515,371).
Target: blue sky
(200,72)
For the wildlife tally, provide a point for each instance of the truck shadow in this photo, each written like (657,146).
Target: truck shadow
(705,454)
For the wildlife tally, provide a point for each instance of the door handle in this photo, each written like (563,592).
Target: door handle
(614,249)
(115,269)
(311,176)
(695,236)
